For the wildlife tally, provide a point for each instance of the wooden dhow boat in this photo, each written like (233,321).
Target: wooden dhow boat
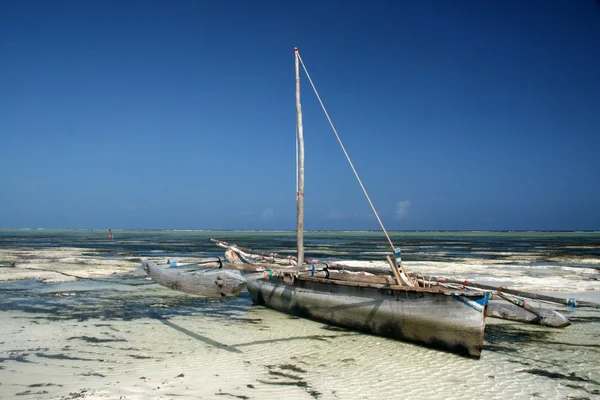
(395,306)
(505,302)
(433,311)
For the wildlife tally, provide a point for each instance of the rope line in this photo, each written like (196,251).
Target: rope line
(346,153)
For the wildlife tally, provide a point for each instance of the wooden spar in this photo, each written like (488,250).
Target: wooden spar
(394,270)
(252,257)
(265,255)
(338,276)
(400,276)
(300,141)
(529,295)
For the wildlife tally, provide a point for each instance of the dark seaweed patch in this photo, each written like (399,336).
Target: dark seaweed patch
(285,375)
(334,328)
(141,357)
(278,371)
(247,320)
(556,375)
(519,362)
(82,394)
(90,339)
(238,396)
(301,384)
(590,391)
(28,392)
(114,305)
(289,367)
(64,357)
(16,357)
(43,384)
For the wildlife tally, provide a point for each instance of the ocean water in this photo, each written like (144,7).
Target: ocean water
(576,249)
(116,323)
(527,260)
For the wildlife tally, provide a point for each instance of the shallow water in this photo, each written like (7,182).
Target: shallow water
(154,334)
(117,334)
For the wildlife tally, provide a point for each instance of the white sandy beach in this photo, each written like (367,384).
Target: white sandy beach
(87,339)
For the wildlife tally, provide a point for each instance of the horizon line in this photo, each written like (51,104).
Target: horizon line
(308,230)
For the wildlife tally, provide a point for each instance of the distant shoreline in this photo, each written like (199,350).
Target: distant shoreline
(311,230)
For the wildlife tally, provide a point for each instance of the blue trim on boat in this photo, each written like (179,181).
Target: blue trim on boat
(476,304)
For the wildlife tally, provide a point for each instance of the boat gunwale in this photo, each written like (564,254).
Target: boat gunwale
(448,292)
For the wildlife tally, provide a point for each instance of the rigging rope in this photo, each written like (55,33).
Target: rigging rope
(346,153)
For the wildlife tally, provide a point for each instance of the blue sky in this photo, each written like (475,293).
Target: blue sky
(180,114)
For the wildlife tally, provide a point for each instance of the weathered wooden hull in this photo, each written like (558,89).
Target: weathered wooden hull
(447,320)
(209,283)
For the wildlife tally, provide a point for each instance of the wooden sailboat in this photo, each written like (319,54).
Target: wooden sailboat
(396,306)
(505,303)
(432,311)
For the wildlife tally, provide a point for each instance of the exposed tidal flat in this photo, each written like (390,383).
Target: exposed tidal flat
(80,319)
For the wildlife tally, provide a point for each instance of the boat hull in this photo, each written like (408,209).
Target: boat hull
(205,282)
(451,321)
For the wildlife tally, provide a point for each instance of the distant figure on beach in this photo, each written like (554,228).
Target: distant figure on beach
(109,234)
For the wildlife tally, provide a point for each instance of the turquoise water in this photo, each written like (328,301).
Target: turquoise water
(576,249)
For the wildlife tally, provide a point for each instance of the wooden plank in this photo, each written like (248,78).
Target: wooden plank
(394,270)
(376,279)
(437,289)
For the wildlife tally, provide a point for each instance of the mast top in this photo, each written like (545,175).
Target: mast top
(295,49)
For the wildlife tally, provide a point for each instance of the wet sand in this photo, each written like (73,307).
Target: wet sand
(118,336)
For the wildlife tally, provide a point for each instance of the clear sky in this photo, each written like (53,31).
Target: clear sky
(180,114)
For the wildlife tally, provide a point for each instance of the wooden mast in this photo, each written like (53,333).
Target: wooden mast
(300,188)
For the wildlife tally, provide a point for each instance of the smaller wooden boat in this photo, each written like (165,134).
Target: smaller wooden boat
(514,312)
(204,282)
